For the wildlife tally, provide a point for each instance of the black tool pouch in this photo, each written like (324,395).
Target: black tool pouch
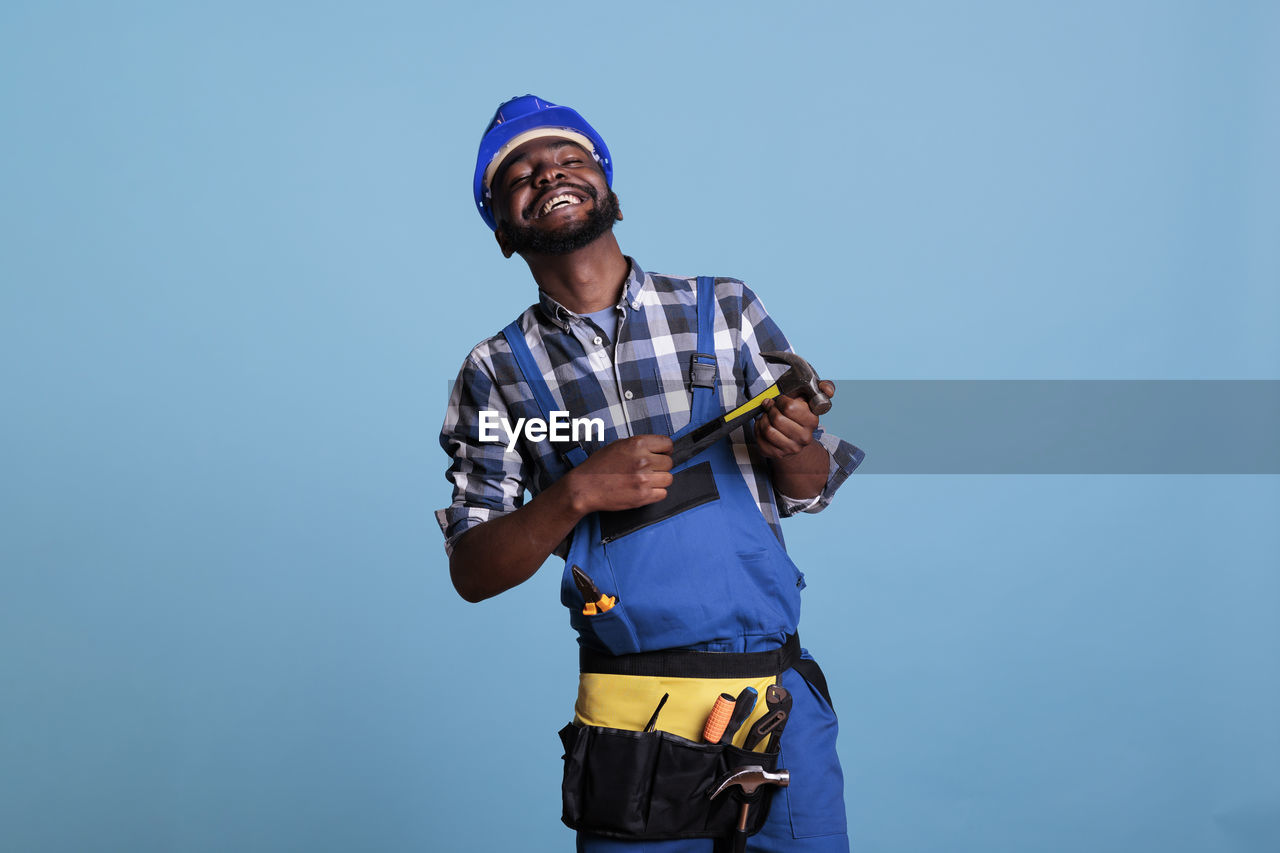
(655,785)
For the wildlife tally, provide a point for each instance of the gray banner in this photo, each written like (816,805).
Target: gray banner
(1061,426)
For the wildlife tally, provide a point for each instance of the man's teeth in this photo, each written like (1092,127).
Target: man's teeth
(557,201)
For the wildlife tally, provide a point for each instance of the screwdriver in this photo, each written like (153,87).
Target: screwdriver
(742,708)
(653,721)
(720,714)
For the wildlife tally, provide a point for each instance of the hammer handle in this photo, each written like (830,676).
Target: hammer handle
(694,442)
(691,444)
(740,834)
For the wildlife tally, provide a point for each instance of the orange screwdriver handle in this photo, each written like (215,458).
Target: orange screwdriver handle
(720,714)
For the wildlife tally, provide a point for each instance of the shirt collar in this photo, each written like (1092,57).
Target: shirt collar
(633,289)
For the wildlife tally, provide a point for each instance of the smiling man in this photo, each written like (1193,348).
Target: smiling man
(576,229)
(676,577)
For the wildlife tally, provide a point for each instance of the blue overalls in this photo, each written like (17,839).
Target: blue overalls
(710,576)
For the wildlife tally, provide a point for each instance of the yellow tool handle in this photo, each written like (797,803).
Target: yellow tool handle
(767,394)
(604,605)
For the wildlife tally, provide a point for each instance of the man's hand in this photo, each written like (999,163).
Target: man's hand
(786,427)
(499,554)
(784,435)
(628,473)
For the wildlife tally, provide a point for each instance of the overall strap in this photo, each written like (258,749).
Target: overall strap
(574,455)
(703,374)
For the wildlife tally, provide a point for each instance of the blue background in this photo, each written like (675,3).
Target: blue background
(240,265)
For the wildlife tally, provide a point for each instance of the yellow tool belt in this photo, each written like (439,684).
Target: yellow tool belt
(628,701)
(622,691)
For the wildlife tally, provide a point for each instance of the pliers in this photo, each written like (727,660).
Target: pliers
(597,602)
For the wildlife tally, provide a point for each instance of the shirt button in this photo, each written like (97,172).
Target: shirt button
(628,395)
(635,306)
(598,341)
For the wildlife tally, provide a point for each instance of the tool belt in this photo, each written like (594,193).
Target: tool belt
(682,663)
(655,785)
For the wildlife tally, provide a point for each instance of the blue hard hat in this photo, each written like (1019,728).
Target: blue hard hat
(512,123)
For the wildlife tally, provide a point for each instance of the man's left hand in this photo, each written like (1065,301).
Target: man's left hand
(786,427)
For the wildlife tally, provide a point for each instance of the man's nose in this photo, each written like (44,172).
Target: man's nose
(547,172)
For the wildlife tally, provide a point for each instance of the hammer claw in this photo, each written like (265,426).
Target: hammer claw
(750,778)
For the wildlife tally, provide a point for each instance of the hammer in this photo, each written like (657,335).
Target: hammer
(749,779)
(800,380)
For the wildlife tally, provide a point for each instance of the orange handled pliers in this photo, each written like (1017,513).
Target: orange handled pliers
(597,602)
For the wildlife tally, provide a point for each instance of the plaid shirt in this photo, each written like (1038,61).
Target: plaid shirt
(637,384)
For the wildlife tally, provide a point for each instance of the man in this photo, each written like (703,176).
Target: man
(659,556)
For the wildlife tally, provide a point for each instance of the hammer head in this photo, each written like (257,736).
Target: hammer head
(800,379)
(750,778)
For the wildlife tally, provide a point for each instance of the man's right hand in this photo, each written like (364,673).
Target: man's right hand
(628,473)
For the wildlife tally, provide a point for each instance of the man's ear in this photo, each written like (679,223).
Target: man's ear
(617,204)
(503,244)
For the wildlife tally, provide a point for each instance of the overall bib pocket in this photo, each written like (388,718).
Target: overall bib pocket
(691,487)
(706,574)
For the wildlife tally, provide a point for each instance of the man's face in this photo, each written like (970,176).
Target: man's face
(551,198)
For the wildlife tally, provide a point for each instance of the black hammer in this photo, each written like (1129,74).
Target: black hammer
(799,380)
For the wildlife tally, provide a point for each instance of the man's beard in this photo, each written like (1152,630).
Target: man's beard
(571,238)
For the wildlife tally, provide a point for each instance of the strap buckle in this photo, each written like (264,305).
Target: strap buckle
(702,374)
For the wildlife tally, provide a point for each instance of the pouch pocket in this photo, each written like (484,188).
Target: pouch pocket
(612,629)
(612,774)
(694,486)
(654,785)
